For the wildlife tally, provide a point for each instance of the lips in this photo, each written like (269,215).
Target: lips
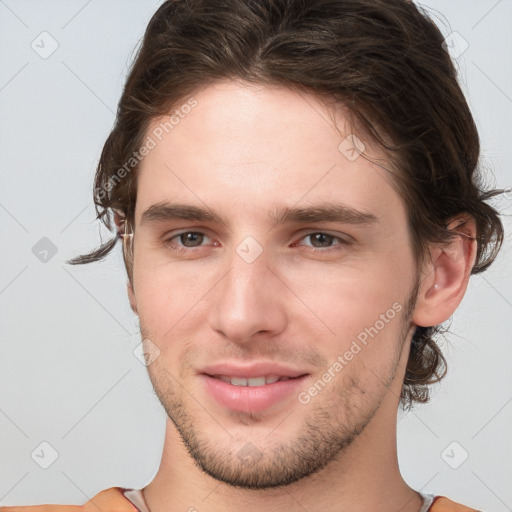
(253,387)
(256,369)
(250,381)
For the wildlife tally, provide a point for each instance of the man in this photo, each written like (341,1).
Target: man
(295,187)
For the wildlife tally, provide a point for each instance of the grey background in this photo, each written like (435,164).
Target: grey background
(68,374)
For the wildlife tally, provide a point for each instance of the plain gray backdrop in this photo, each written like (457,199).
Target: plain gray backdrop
(69,377)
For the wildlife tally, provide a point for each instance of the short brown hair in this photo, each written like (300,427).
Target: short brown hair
(383,60)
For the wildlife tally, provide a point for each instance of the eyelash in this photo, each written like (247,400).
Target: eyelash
(341,242)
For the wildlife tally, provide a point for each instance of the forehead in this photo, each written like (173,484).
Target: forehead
(231,112)
(252,146)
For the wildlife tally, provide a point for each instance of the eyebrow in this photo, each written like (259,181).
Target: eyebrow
(169,211)
(325,212)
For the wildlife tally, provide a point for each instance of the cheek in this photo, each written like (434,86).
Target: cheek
(169,300)
(346,298)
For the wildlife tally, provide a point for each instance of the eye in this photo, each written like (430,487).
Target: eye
(321,240)
(186,240)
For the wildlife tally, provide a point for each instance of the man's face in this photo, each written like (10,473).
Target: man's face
(302,270)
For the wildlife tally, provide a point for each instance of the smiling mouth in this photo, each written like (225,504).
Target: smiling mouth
(252,381)
(249,391)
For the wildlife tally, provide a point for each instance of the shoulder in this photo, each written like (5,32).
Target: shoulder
(442,504)
(109,500)
(113,500)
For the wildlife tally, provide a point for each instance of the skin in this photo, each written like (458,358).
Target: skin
(246,151)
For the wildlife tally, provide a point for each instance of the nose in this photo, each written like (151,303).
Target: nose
(248,301)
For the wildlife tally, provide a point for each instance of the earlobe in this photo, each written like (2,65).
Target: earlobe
(446,275)
(131,297)
(119,220)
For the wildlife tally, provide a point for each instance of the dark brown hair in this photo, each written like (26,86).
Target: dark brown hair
(383,60)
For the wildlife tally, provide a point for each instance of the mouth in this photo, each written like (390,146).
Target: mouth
(251,381)
(252,389)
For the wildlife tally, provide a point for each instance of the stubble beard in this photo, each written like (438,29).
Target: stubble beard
(326,432)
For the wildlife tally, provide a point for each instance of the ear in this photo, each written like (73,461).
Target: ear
(445,276)
(119,218)
(131,297)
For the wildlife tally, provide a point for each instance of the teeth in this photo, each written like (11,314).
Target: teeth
(256,381)
(238,381)
(253,381)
